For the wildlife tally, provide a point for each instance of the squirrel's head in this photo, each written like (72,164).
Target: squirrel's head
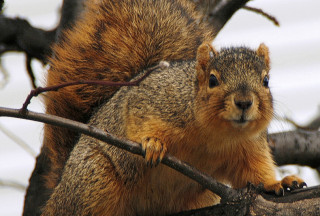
(233,92)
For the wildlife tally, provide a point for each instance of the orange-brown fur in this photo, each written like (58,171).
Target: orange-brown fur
(114,41)
(182,114)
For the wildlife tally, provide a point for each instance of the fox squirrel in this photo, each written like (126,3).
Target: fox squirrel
(207,108)
(211,112)
(113,40)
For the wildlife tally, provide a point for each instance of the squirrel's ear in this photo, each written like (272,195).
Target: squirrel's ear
(204,54)
(263,51)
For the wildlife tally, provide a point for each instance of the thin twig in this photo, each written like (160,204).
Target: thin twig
(30,71)
(1,5)
(208,182)
(5,75)
(298,126)
(39,90)
(259,11)
(17,140)
(12,184)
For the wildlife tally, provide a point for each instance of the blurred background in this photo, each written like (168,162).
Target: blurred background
(295,79)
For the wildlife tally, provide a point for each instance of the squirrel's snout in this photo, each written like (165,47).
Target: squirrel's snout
(241,108)
(243,104)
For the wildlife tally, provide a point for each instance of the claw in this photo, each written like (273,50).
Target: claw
(158,161)
(292,182)
(303,184)
(294,185)
(144,146)
(280,192)
(153,151)
(150,163)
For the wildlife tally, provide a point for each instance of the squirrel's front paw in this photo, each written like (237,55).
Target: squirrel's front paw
(289,182)
(154,150)
(292,182)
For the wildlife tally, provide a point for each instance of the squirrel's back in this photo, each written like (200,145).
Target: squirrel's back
(114,40)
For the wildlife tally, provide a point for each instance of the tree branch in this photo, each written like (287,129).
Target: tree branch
(245,201)
(207,181)
(300,202)
(223,11)
(71,10)
(296,147)
(39,90)
(315,123)
(18,35)
(1,5)
(259,11)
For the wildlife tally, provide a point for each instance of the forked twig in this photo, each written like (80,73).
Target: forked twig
(39,90)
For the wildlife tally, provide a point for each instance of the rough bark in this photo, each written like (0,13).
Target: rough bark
(296,147)
(253,203)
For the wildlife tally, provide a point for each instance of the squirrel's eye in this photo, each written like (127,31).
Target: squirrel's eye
(266,81)
(213,81)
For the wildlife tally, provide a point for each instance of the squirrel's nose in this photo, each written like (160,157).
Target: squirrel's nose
(243,105)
